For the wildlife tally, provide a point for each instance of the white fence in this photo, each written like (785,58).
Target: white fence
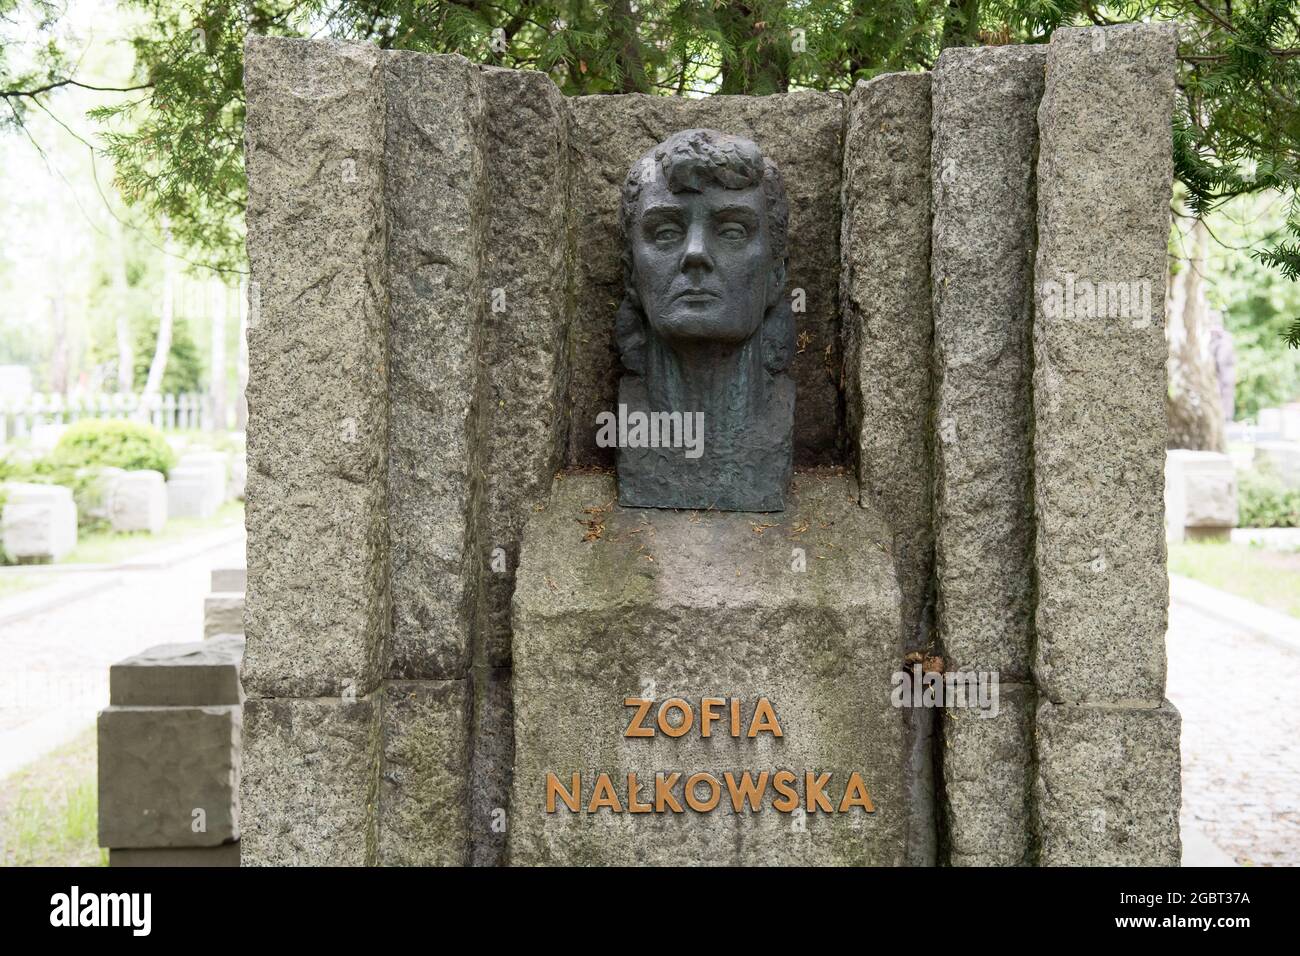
(186,410)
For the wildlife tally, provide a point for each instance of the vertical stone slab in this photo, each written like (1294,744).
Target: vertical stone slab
(985,138)
(424,784)
(800,132)
(492,766)
(885,292)
(318,369)
(985,142)
(1104,181)
(887,332)
(437,199)
(525,338)
(309,782)
(1109,785)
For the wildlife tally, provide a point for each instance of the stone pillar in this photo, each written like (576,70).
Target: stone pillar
(888,330)
(317,593)
(984,147)
(1107,788)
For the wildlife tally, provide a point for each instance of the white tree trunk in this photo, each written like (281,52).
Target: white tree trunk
(1192,405)
(217,374)
(122,320)
(158,367)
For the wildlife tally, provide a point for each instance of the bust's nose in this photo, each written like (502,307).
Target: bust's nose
(695,257)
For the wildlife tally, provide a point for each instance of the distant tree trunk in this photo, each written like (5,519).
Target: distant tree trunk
(1192,403)
(961,24)
(241,363)
(59,354)
(765,71)
(217,378)
(121,318)
(158,367)
(624,36)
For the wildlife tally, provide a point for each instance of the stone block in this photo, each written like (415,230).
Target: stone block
(197,673)
(491,766)
(435,173)
(1281,459)
(190,493)
(229,579)
(1104,180)
(1108,787)
(530,260)
(318,326)
(1200,495)
(801,608)
(227,854)
(987,780)
(309,782)
(223,613)
(800,132)
(424,787)
(40,522)
(168,776)
(985,141)
(887,325)
(138,501)
(215,464)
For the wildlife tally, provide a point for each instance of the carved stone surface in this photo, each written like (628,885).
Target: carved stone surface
(664,604)
(705,331)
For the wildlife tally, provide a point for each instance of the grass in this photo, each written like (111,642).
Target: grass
(1270,578)
(49,810)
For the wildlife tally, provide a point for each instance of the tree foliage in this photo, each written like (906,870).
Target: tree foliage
(177,147)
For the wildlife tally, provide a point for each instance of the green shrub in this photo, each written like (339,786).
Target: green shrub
(112,443)
(1263,501)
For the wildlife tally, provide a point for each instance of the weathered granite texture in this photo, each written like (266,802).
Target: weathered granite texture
(492,766)
(887,331)
(1108,787)
(436,200)
(985,143)
(987,780)
(1104,180)
(168,776)
(309,782)
(223,613)
(615,603)
(318,369)
(801,133)
(424,784)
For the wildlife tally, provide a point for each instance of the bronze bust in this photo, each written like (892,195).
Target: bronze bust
(705,330)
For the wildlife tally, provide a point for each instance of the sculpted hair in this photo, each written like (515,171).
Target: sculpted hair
(689,161)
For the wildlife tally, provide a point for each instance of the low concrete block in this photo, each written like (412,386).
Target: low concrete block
(40,522)
(138,501)
(1280,458)
(1108,789)
(229,579)
(171,675)
(215,464)
(223,613)
(227,854)
(1200,495)
(168,776)
(190,493)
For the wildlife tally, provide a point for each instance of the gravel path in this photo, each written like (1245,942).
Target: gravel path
(54,664)
(1241,737)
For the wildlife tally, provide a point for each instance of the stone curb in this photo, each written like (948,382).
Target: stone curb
(1257,620)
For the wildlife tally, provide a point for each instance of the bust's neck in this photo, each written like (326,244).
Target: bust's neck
(726,382)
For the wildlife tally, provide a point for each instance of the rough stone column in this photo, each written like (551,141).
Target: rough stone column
(1104,181)
(887,330)
(525,358)
(317,450)
(985,139)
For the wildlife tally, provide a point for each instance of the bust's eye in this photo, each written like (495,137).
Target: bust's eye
(667,233)
(732,230)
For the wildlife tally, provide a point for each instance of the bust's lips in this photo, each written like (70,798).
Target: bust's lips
(696,295)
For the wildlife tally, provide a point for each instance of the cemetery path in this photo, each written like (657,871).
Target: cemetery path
(54,664)
(1241,765)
